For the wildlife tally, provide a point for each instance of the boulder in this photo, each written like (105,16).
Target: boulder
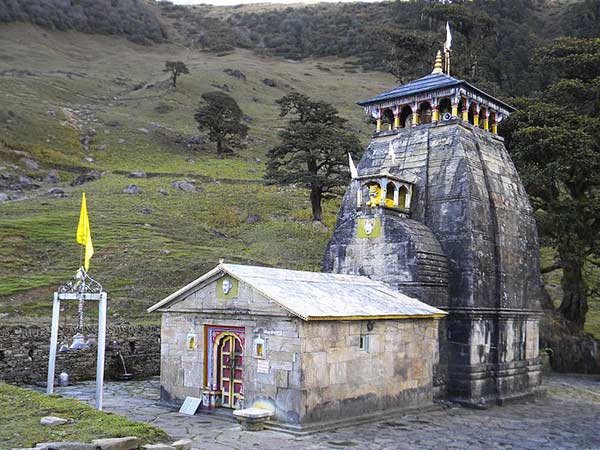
(4,197)
(25,183)
(158,447)
(183,185)
(269,82)
(29,164)
(121,141)
(85,178)
(132,189)
(53,176)
(52,421)
(182,444)
(146,211)
(56,192)
(252,218)
(123,443)
(236,74)
(144,130)
(137,174)
(64,446)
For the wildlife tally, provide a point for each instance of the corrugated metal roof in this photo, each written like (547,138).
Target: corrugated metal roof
(320,296)
(426,83)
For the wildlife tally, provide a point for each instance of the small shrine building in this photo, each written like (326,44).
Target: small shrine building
(312,348)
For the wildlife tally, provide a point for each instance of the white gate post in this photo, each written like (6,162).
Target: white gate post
(101,348)
(53,344)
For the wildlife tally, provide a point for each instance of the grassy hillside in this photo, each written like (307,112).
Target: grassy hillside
(57,85)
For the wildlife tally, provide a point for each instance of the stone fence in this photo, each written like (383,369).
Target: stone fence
(24,353)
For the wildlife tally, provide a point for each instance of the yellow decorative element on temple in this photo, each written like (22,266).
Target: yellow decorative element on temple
(396,121)
(476,120)
(454,110)
(437,68)
(495,129)
(374,195)
(486,124)
(415,119)
(465,115)
(378,124)
(435,115)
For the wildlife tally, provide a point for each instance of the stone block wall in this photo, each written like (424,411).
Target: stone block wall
(24,353)
(183,371)
(340,380)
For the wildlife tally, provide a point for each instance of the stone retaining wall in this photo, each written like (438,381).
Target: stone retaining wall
(24,353)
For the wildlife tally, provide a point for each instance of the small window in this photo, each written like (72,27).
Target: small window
(363,342)
(259,348)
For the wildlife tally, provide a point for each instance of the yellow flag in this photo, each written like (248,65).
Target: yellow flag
(84,235)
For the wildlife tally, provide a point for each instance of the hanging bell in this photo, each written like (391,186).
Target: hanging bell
(78,342)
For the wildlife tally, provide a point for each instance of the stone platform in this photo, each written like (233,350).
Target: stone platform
(567,418)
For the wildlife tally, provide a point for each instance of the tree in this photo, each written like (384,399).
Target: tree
(221,116)
(313,151)
(176,68)
(555,144)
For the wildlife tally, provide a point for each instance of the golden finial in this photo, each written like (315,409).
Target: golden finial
(438,63)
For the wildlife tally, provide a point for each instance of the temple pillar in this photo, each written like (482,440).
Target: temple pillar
(379,125)
(435,114)
(396,117)
(415,119)
(465,110)
(486,122)
(454,110)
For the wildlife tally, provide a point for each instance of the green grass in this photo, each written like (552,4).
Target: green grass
(22,409)
(140,258)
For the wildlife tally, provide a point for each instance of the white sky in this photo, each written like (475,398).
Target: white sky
(245,2)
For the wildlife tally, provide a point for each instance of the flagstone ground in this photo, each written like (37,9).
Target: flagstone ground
(568,417)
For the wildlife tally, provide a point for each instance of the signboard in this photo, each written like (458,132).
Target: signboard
(190,405)
(262,366)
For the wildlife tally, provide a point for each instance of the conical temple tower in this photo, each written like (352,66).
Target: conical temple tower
(438,211)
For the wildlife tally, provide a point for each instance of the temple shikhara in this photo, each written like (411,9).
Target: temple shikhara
(430,285)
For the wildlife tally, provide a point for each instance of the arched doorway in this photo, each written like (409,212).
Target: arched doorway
(425,113)
(387,118)
(406,116)
(230,370)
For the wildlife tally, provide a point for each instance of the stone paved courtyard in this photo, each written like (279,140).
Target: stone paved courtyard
(569,417)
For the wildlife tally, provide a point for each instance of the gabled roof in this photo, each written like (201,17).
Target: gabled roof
(426,83)
(317,296)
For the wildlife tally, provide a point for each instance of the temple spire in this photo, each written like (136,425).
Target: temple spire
(438,63)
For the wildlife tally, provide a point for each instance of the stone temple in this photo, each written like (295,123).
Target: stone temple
(437,211)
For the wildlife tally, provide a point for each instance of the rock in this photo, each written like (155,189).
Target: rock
(85,140)
(29,164)
(89,159)
(196,139)
(91,132)
(158,447)
(103,146)
(190,160)
(123,443)
(236,74)
(185,186)
(137,174)
(85,178)
(132,189)
(144,130)
(4,197)
(53,176)
(56,192)
(121,141)
(145,210)
(216,232)
(25,183)
(52,421)
(269,82)
(252,218)
(64,446)
(257,160)
(251,170)
(182,444)
(165,252)
(163,192)
(224,87)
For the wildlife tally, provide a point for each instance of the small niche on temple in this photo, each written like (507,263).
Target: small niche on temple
(387,118)
(406,116)
(390,194)
(425,113)
(402,198)
(445,108)
(373,193)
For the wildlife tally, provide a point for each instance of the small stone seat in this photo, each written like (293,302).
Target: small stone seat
(252,419)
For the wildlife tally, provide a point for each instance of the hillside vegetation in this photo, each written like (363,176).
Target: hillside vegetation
(58,85)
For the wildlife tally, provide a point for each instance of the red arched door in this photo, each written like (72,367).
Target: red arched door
(229,359)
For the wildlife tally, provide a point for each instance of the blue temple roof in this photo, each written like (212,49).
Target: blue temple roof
(426,83)
(429,83)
